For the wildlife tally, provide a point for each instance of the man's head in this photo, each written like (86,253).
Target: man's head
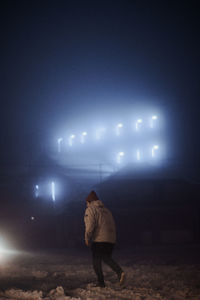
(91,197)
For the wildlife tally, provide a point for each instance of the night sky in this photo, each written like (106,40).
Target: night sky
(65,59)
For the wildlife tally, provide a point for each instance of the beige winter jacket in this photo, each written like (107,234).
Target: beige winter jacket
(99,223)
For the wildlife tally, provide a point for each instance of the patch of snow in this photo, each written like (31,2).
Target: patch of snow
(70,276)
(59,294)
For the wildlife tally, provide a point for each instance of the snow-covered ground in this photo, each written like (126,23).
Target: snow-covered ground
(171,273)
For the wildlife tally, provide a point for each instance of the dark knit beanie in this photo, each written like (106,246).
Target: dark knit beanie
(92,197)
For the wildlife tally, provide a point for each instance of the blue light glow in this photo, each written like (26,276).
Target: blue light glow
(71,139)
(120,155)
(36,190)
(138,155)
(100,132)
(153,151)
(101,143)
(59,141)
(119,128)
(138,124)
(53,191)
(83,135)
(153,121)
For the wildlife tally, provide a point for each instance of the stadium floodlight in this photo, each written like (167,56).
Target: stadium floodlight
(153,150)
(119,157)
(83,135)
(153,120)
(53,191)
(118,128)
(138,155)
(71,139)
(36,190)
(100,132)
(59,141)
(138,124)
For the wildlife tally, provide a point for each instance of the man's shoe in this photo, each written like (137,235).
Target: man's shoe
(122,278)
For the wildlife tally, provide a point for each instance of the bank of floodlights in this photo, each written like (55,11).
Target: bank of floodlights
(139,126)
(100,132)
(120,156)
(119,129)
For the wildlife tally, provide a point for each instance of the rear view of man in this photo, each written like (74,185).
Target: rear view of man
(100,234)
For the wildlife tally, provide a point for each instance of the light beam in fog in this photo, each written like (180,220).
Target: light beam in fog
(119,129)
(71,139)
(138,124)
(59,141)
(154,149)
(153,121)
(120,155)
(36,190)
(83,136)
(6,250)
(100,133)
(138,155)
(53,191)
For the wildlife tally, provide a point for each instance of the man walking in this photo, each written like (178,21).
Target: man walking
(100,234)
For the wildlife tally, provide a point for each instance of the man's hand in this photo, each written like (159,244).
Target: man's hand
(87,243)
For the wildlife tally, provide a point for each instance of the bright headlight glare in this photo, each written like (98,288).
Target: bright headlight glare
(6,251)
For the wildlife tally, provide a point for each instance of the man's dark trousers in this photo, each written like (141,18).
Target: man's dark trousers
(103,251)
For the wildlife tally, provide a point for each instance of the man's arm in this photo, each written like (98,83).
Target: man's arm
(89,220)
